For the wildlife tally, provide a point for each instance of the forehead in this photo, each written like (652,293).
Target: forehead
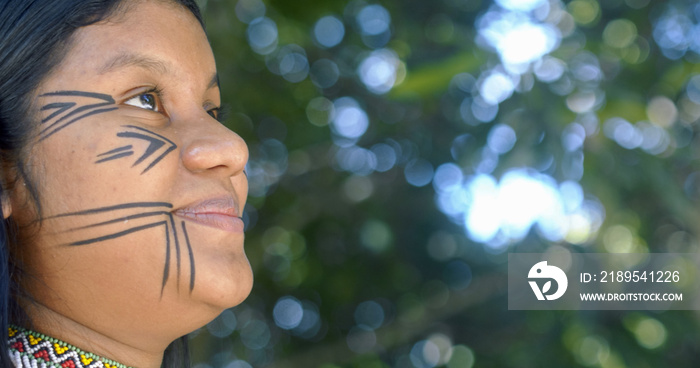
(161,36)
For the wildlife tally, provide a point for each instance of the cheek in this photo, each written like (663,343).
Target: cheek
(100,277)
(106,190)
(124,165)
(135,262)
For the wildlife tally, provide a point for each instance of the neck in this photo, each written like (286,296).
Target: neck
(130,353)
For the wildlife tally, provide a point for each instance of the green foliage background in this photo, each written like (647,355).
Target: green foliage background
(311,236)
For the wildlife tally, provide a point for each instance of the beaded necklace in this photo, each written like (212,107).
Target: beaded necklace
(34,350)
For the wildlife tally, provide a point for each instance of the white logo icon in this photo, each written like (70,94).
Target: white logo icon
(542,271)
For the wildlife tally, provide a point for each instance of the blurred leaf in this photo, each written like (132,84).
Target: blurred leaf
(433,78)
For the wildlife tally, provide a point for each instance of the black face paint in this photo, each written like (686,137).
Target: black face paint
(189,250)
(155,143)
(68,111)
(120,220)
(115,154)
(128,218)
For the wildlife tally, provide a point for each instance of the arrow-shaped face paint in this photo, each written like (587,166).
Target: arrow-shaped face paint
(155,143)
(70,107)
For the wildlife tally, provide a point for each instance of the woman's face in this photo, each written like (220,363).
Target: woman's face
(141,187)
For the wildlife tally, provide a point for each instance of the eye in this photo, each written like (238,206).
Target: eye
(148,100)
(219,113)
(215,113)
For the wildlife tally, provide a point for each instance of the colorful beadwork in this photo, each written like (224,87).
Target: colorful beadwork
(32,349)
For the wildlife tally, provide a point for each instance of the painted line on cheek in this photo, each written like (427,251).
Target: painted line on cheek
(118,234)
(101,96)
(114,208)
(171,232)
(122,219)
(177,249)
(115,154)
(189,249)
(166,268)
(95,112)
(67,110)
(60,107)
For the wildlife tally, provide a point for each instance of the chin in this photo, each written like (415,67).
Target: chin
(223,292)
(209,303)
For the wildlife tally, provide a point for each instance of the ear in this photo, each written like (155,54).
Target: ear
(6,191)
(6,205)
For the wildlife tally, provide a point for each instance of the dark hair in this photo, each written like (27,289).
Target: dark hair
(34,37)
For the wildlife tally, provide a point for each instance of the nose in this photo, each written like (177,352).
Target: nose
(211,147)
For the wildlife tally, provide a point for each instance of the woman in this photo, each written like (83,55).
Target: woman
(121,192)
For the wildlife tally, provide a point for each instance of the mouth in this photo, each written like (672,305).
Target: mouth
(220,213)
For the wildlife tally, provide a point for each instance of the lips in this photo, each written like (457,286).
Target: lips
(221,213)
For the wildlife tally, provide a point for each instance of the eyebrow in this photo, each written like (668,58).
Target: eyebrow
(158,66)
(126,60)
(214,82)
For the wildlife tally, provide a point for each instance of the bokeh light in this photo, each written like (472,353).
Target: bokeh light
(378,70)
(620,33)
(521,5)
(501,138)
(329,31)
(373,20)
(649,332)
(496,88)
(506,210)
(288,313)
(324,73)
(262,35)
(290,62)
(224,325)
(419,172)
(531,125)
(369,314)
(350,120)
(517,38)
